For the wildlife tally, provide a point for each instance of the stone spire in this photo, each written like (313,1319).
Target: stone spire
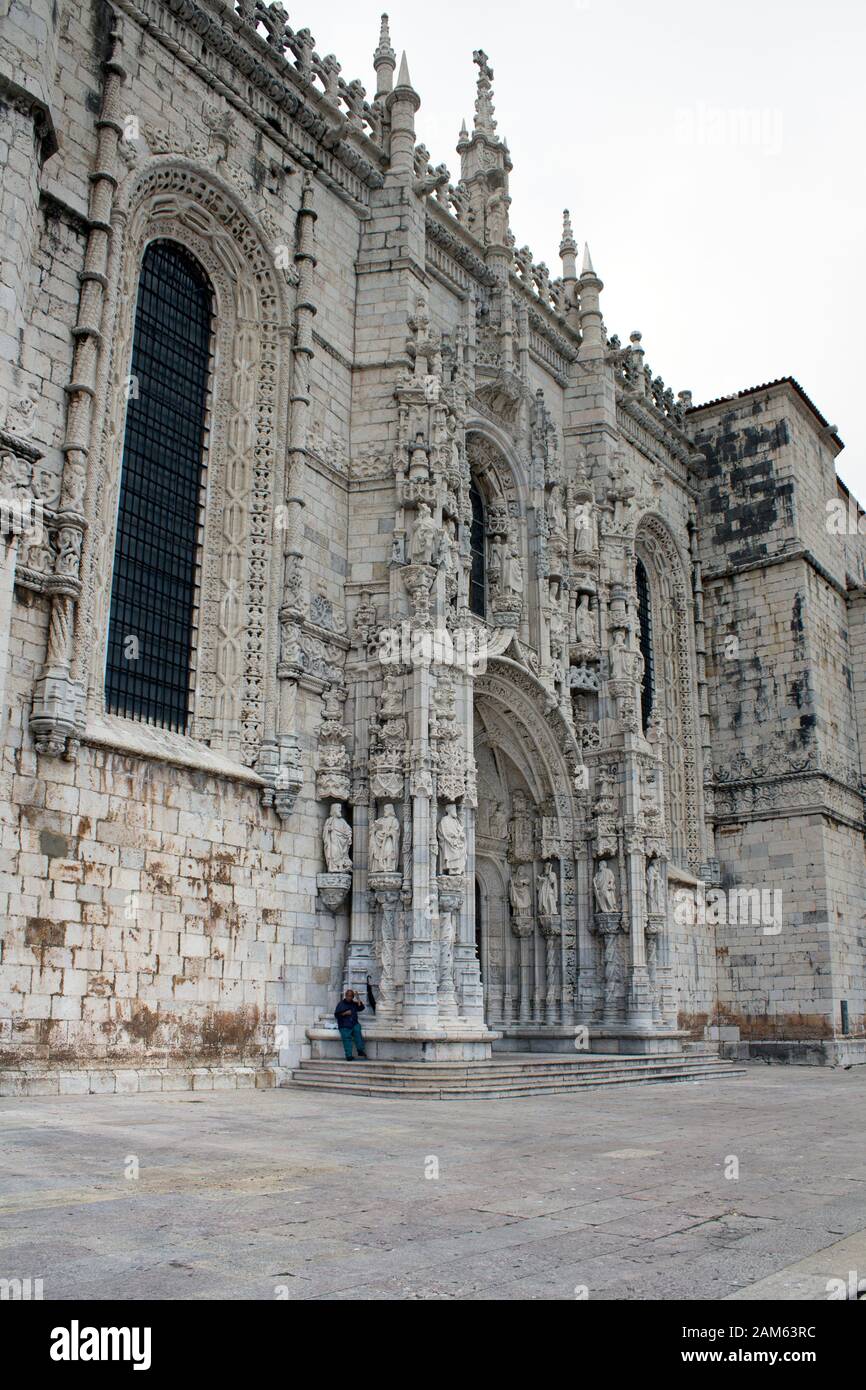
(484,122)
(403,102)
(384,61)
(590,310)
(568,249)
(484,167)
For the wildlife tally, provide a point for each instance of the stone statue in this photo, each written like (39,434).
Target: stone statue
(604,887)
(452,842)
(497,555)
(620,657)
(520,894)
(584,622)
(385,842)
(584,529)
(512,576)
(425,537)
(498,824)
(548,891)
(337,841)
(556,511)
(655,889)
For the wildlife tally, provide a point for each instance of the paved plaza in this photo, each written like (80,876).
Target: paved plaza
(289,1194)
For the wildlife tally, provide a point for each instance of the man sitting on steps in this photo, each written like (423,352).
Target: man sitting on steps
(346,1014)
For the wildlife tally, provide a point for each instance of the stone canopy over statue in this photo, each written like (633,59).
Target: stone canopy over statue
(385,842)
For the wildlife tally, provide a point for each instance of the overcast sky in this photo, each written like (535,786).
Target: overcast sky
(711,154)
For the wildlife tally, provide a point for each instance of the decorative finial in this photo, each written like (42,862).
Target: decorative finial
(587,267)
(568,243)
(403,78)
(384,60)
(484,122)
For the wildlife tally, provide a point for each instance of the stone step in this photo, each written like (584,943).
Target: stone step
(496,1080)
(541,1069)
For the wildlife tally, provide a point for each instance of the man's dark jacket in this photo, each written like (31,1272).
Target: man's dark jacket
(346,1012)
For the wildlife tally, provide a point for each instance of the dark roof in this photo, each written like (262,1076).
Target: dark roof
(753,391)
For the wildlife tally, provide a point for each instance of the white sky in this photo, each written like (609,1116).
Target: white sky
(712,154)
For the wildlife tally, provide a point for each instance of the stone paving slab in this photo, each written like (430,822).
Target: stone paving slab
(248,1194)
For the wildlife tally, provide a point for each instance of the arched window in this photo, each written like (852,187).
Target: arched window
(644,612)
(156,557)
(477,571)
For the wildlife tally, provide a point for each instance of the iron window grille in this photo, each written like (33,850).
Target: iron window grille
(644,611)
(149,669)
(478,567)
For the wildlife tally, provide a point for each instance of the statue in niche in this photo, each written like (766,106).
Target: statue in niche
(496,562)
(548,891)
(512,576)
(520,893)
(584,529)
(498,824)
(385,842)
(604,888)
(452,842)
(520,839)
(556,511)
(655,889)
(391,699)
(425,537)
(337,841)
(584,621)
(620,657)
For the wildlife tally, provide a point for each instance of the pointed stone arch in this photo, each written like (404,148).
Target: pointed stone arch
(535,753)
(674,701)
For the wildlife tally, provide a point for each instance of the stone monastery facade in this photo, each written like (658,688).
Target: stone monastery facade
(369,613)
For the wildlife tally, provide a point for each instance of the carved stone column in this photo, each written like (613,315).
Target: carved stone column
(551,930)
(655,924)
(608,925)
(385,889)
(451,894)
(58,699)
(523,930)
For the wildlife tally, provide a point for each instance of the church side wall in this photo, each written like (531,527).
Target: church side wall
(783,674)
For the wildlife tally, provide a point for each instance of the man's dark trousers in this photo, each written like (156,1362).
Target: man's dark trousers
(349,1035)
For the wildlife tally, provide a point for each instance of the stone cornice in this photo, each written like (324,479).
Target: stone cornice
(797,552)
(322,137)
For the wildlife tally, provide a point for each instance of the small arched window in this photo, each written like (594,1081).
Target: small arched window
(644,613)
(156,558)
(477,570)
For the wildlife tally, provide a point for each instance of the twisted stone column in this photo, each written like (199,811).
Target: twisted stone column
(58,698)
(386,892)
(551,930)
(608,925)
(451,893)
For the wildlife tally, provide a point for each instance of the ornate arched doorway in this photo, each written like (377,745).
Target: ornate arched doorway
(524,854)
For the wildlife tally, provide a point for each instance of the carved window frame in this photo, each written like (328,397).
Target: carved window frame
(236,650)
(674,688)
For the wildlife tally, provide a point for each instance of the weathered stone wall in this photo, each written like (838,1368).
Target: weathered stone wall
(783,656)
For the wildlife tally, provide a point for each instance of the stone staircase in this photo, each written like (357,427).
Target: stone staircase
(513,1074)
